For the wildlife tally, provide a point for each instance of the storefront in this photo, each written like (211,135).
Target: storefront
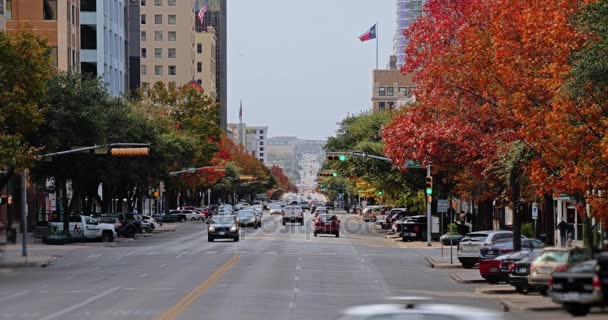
(565,208)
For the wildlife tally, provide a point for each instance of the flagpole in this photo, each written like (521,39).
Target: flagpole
(377,37)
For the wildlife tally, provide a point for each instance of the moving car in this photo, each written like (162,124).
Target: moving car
(248,218)
(223,227)
(470,246)
(327,224)
(275,208)
(554,259)
(293,214)
(330,205)
(583,286)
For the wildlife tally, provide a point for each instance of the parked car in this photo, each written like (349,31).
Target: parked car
(520,270)
(327,224)
(275,208)
(503,246)
(114,221)
(582,286)
(223,227)
(188,215)
(150,219)
(497,269)
(413,228)
(470,246)
(87,228)
(554,259)
(131,225)
(392,216)
(370,213)
(248,218)
(293,214)
(167,217)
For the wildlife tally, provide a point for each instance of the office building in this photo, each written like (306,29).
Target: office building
(103,47)
(167,41)
(59,24)
(256,143)
(407,12)
(2,18)
(205,60)
(391,90)
(216,17)
(133,46)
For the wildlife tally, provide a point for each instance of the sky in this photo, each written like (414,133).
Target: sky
(298,65)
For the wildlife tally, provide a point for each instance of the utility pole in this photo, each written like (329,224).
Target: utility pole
(24,212)
(428,209)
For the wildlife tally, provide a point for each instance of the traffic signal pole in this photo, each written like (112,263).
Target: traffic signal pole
(428,209)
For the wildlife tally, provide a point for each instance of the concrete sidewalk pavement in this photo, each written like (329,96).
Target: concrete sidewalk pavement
(11,258)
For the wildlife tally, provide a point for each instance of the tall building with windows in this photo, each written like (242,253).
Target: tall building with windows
(407,12)
(391,90)
(133,45)
(2,19)
(257,143)
(216,17)
(167,41)
(103,46)
(55,20)
(205,60)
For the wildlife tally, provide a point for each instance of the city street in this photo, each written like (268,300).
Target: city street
(275,272)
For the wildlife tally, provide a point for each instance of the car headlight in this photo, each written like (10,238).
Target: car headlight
(233,228)
(238,219)
(211,229)
(255,218)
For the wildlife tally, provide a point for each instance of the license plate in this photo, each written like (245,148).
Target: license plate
(410,234)
(222,233)
(522,270)
(493,269)
(571,296)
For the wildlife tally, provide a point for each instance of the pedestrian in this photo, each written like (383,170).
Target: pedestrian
(562,226)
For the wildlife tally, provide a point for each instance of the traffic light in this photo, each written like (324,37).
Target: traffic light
(328,174)
(334,174)
(336,156)
(129,152)
(380,193)
(429,185)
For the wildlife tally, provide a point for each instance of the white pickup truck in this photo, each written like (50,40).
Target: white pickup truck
(293,214)
(83,227)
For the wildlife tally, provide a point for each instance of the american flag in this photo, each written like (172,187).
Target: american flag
(201,12)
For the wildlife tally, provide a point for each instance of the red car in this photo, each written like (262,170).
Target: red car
(327,224)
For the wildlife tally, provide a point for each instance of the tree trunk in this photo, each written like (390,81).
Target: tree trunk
(484,216)
(549,219)
(516,193)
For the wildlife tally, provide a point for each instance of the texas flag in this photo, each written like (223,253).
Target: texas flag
(369,34)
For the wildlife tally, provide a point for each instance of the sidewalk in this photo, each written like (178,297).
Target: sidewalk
(166,227)
(439,262)
(468,276)
(12,258)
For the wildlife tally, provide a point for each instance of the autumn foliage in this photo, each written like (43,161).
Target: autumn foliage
(496,78)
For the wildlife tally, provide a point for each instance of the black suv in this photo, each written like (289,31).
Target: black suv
(330,205)
(130,224)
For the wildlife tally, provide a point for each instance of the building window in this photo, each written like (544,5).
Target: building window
(158,36)
(261,155)
(73,15)
(171,70)
(382,91)
(158,19)
(158,53)
(390,91)
(172,35)
(143,19)
(390,105)
(261,131)
(172,53)
(199,67)
(171,3)
(143,3)
(144,52)
(171,19)
(158,3)
(261,143)
(142,35)
(8,10)
(144,70)
(199,48)
(49,9)
(200,82)
(381,106)
(158,70)
(261,137)
(261,148)
(402,91)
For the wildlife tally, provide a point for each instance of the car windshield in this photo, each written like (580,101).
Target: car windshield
(326,217)
(553,256)
(222,220)
(475,237)
(243,214)
(275,206)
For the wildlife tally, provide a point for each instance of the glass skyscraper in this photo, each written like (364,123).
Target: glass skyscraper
(407,12)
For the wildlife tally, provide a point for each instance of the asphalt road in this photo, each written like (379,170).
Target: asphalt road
(277,272)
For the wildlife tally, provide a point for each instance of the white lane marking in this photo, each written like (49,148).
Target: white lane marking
(143,275)
(299,267)
(296,290)
(94,256)
(78,305)
(70,277)
(271,252)
(210,252)
(163,265)
(179,255)
(96,268)
(296,278)
(292,305)
(16,295)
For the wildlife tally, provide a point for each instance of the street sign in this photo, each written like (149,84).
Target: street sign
(413,164)
(360,154)
(535,211)
(442,205)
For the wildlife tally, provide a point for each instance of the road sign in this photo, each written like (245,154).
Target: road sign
(535,211)
(442,205)
(413,164)
(360,154)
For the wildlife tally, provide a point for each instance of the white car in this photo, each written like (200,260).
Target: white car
(275,209)
(470,246)
(151,220)
(423,311)
(293,214)
(257,208)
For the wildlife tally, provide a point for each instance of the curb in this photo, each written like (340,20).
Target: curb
(393,236)
(495,289)
(508,305)
(13,265)
(439,265)
(459,279)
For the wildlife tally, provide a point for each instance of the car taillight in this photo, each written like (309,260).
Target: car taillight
(597,285)
(561,268)
(550,284)
(511,267)
(532,268)
(154,220)
(416,229)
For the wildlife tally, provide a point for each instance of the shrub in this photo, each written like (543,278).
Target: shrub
(527,230)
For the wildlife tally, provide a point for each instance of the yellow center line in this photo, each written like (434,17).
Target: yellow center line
(182,304)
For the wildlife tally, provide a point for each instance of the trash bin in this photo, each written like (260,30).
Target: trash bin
(11,235)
